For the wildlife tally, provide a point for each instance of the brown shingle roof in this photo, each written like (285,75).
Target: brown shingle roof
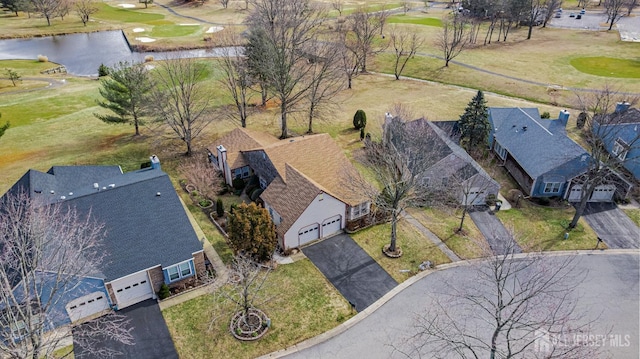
(320,159)
(290,199)
(242,139)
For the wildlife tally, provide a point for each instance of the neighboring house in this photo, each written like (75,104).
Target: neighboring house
(539,155)
(149,239)
(306,182)
(449,165)
(620,132)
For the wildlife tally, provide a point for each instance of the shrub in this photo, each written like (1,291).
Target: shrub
(148,58)
(545,114)
(42,58)
(219,208)
(255,194)
(103,70)
(204,202)
(359,120)
(238,184)
(490,200)
(164,292)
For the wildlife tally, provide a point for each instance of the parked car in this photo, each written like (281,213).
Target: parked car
(572,15)
(578,17)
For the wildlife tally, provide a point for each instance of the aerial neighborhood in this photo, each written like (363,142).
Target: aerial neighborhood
(319,179)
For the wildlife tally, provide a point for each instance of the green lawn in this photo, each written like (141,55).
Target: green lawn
(25,67)
(304,305)
(115,13)
(415,246)
(634,214)
(173,30)
(541,228)
(468,244)
(608,66)
(405,19)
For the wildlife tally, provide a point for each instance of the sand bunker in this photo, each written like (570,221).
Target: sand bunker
(145,39)
(138,29)
(189,24)
(213,29)
(127,6)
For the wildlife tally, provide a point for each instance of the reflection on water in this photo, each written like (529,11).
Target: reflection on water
(82,54)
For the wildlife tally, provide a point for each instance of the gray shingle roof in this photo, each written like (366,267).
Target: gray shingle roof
(143,229)
(538,145)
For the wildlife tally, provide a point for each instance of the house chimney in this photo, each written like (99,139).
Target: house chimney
(223,165)
(564,117)
(622,106)
(155,162)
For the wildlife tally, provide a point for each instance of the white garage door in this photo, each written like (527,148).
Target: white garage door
(308,234)
(602,193)
(87,305)
(331,225)
(132,289)
(476,196)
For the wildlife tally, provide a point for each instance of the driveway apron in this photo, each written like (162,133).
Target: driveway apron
(493,230)
(612,225)
(357,276)
(150,334)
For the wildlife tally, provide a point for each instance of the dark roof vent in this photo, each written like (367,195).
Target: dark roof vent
(524,128)
(37,190)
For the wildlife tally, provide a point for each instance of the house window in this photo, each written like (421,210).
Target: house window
(620,149)
(552,187)
(179,271)
(263,183)
(499,150)
(425,181)
(359,210)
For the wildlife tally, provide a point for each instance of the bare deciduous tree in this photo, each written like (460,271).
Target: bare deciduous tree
(348,55)
(364,26)
(551,6)
(63,8)
(45,250)
(224,3)
(631,4)
(406,6)
(84,9)
(200,173)
(237,79)
(454,37)
(614,11)
(398,163)
(507,310)
(47,8)
(326,82)
(338,5)
(181,100)
(282,37)
(601,116)
(405,45)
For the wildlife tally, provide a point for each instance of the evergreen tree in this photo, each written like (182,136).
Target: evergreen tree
(474,123)
(127,94)
(4,128)
(252,232)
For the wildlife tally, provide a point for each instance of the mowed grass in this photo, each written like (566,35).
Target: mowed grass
(468,244)
(634,215)
(405,19)
(25,67)
(120,14)
(608,66)
(304,305)
(173,30)
(542,229)
(416,248)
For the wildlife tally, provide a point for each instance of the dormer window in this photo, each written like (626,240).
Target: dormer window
(620,149)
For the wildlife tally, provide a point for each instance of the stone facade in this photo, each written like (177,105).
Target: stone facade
(198,261)
(156,277)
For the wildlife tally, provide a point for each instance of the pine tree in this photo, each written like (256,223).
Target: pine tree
(252,232)
(474,123)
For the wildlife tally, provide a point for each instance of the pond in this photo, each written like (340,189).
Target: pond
(82,54)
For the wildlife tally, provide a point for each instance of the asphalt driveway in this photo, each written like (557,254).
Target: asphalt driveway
(150,334)
(494,231)
(612,225)
(358,277)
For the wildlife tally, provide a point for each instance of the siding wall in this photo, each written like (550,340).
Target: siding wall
(317,211)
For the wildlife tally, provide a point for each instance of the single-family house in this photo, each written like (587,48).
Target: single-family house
(620,132)
(305,181)
(539,155)
(448,165)
(149,240)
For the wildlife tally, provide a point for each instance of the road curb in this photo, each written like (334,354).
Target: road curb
(407,283)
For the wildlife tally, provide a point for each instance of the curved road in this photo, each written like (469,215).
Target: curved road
(610,290)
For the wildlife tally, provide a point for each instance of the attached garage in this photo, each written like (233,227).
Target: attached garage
(308,234)
(87,305)
(476,196)
(331,225)
(602,193)
(132,289)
